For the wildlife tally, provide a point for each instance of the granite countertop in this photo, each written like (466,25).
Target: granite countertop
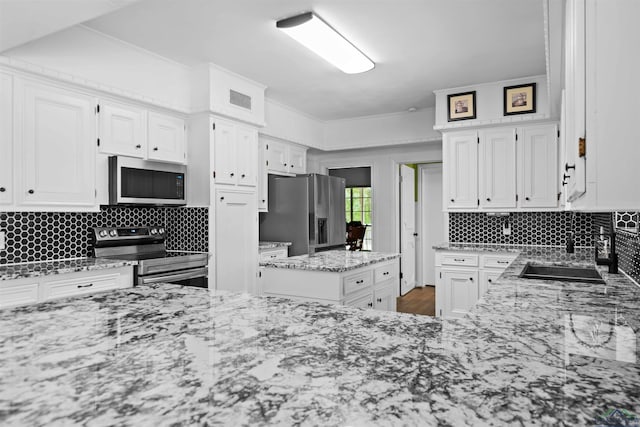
(478,247)
(272,245)
(531,352)
(45,268)
(335,261)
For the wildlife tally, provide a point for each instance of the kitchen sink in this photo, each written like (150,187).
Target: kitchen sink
(562,273)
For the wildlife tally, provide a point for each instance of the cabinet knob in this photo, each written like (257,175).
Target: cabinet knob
(565,177)
(242,176)
(488,199)
(452,200)
(222,198)
(285,164)
(155,148)
(263,200)
(232,174)
(291,165)
(527,199)
(2,189)
(471,279)
(138,146)
(490,281)
(370,304)
(379,300)
(30,191)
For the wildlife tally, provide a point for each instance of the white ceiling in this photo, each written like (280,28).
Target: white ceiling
(24,20)
(418,46)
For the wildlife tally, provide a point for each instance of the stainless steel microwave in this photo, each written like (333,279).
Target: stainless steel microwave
(141,182)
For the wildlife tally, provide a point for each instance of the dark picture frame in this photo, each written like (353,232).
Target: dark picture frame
(520,99)
(461,106)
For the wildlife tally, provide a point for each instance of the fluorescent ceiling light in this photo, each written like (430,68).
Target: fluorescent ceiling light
(315,34)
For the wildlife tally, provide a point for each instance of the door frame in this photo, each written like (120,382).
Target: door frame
(425,240)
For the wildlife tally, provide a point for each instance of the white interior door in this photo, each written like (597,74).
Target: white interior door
(407,229)
(433,224)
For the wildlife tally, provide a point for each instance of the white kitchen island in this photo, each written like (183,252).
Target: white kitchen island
(358,279)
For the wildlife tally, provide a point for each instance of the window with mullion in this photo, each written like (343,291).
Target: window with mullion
(358,208)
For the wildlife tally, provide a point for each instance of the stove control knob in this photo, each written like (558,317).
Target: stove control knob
(154,231)
(161,230)
(103,233)
(113,233)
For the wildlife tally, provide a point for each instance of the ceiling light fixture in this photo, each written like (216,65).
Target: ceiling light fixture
(315,34)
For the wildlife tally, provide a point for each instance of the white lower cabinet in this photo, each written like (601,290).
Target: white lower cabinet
(45,288)
(236,241)
(463,277)
(373,286)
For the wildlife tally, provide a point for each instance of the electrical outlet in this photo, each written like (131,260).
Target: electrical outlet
(2,241)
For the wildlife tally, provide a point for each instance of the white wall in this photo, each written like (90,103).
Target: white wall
(283,122)
(490,105)
(382,130)
(384,171)
(85,54)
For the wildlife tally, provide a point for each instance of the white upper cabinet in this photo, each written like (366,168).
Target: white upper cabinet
(538,166)
(501,169)
(601,69)
(6,139)
(127,130)
(247,156)
(57,140)
(235,154)
(122,129)
(497,168)
(283,158)
(263,179)
(460,164)
(166,138)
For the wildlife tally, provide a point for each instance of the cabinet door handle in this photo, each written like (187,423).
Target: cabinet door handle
(138,146)
(2,189)
(379,300)
(567,167)
(458,260)
(155,148)
(30,191)
(85,286)
(370,304)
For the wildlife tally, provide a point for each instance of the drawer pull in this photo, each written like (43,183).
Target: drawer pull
(490,281)
(379,300)
(386,273)
(370,304)
(459,259)
(471,279)
(85,286)
(503,262)
(359,281)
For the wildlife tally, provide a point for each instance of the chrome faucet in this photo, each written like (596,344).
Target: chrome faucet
(611,260)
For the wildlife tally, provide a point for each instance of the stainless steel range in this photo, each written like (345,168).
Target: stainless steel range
(155,263)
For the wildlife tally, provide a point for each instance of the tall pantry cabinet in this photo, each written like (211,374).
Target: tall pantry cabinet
(223,173)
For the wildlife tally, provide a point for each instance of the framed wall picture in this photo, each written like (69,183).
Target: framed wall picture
(461,106)
(520,99)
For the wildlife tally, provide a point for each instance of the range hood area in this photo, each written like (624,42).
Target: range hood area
(306,210)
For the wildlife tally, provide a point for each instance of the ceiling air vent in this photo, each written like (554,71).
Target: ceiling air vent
(239,99)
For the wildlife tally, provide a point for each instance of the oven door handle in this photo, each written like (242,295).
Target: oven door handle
(183,275)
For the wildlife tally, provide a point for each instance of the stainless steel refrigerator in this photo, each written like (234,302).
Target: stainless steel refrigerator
(306,210)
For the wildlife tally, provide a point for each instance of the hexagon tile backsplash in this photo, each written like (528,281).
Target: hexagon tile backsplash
(42,236)
(527,228)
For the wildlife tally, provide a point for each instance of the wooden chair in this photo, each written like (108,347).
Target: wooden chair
(355,237)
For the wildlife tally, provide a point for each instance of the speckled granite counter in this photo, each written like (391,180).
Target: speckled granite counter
(272,245)
(475,247)
(531,352)
(45,268)
(335,261)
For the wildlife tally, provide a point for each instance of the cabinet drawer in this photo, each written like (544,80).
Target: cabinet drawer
(269,254)
(356,283)
(80,286)
(497,261)
(386,272)
(469,260)
(18,295)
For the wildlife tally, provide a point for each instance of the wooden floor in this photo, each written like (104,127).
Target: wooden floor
(418,301)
